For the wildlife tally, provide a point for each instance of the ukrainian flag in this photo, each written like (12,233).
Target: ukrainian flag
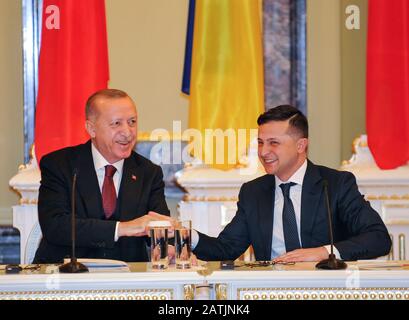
(226,84)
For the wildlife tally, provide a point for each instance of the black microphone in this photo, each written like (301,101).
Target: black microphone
(73,266)
(331,263)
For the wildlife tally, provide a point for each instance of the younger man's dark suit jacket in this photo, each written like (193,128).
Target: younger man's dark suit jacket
(359,232)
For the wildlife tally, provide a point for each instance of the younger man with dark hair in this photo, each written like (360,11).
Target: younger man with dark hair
(283,213)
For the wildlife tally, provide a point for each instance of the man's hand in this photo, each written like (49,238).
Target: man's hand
(300,255)
(156,216)
(172,256)
(138,227)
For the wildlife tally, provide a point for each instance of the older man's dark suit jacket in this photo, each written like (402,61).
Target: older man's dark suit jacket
(359,232)
(141,191)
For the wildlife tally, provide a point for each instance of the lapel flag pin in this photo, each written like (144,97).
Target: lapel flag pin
(133,177)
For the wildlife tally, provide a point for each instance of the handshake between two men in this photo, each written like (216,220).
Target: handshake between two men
(159,247)
(140,227)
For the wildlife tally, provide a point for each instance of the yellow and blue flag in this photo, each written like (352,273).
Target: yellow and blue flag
(226,78)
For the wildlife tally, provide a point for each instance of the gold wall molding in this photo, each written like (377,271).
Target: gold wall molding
(27,201)
(131,294)
(188,197)
(391,254)
(221,291)
(386,197)
(357,142)
(323,293)
(189,292)
(397,222)
(401,246)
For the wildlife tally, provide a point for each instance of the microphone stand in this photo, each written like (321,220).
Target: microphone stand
(332,263)
(73,266)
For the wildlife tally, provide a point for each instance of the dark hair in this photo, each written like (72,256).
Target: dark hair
(104,93)
(297,121)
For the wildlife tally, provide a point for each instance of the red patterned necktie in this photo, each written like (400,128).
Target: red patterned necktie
(108,192)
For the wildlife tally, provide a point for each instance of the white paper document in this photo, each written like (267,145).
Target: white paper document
(103,265)
(380,264)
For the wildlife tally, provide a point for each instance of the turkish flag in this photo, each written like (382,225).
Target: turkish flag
(387,92)
(73,64)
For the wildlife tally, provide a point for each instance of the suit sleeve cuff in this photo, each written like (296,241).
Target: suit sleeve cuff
(195,239)
(116,232)
(336,252)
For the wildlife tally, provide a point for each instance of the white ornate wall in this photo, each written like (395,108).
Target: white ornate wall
(25,217)
(388,192)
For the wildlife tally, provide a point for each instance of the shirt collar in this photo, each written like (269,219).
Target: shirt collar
(297,177)
(100,162)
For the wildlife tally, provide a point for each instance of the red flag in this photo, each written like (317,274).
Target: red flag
(387,93)
(73,64)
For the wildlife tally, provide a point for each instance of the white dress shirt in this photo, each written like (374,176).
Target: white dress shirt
(278,243)
(99,164)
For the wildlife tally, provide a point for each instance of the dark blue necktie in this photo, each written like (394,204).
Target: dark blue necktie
(289,223)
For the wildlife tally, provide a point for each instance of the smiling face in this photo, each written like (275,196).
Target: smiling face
(281,149)
(112,127)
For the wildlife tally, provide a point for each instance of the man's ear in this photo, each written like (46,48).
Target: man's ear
(90,127)
(302,145)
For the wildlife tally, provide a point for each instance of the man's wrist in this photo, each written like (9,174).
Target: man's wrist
(116,236)
(336,252)
(121,229)
(195,239)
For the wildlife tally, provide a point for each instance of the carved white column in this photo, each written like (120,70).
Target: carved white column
(25,217)
(388,192)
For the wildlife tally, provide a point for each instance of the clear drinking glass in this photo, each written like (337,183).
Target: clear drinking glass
(159,244)
(183,244)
